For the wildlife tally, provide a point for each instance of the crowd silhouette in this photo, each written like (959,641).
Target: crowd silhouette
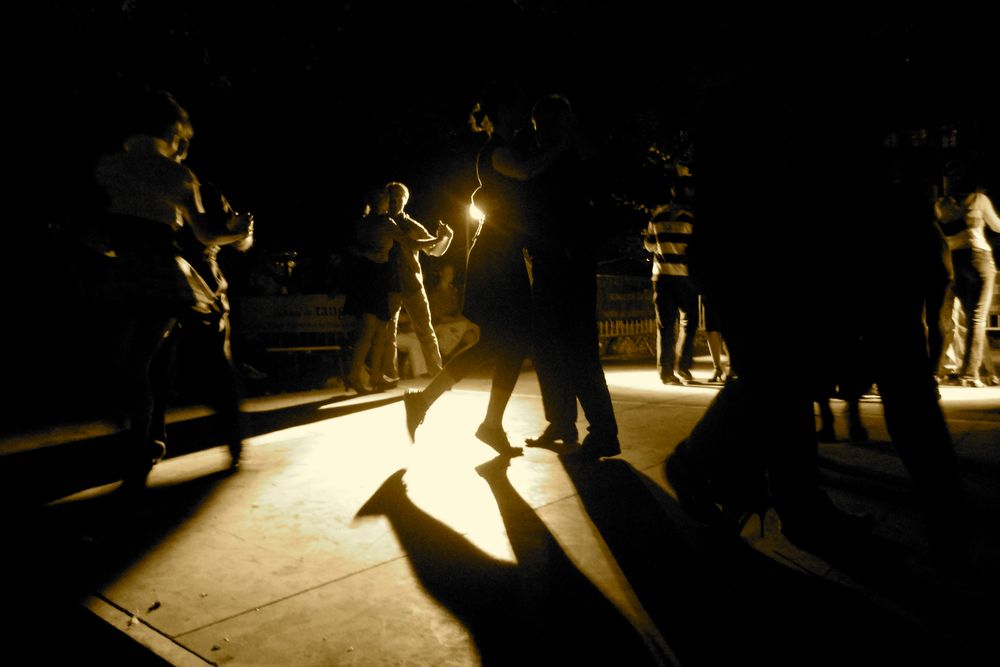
(868,309)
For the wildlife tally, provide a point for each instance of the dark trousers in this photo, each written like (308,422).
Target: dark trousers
(675,299)
(205,349)
(763,421)
(566,345)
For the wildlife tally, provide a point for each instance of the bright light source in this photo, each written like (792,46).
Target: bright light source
(476,214)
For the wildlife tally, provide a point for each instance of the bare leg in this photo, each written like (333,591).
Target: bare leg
(362,346)
(715,347)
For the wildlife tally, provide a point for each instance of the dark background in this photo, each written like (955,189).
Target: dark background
(298,106)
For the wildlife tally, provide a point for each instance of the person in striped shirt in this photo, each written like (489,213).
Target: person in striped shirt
(675,295)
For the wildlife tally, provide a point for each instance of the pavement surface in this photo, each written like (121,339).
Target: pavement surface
(340,542)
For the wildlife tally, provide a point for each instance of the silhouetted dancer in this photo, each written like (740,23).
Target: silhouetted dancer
(813,131)
(563,244)
(498,294)
(146,285)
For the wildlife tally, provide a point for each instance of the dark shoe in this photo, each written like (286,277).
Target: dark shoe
(671,379)
(416,409)
(552,435)
(695,496)
(596,447)
(497,439)
(685,376)
(235,456)
(692,488)
(719,376)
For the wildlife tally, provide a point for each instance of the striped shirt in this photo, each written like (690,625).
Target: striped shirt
(667,237)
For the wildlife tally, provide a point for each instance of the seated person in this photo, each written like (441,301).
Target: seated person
(455,332)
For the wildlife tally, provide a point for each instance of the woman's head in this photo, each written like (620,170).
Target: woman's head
(500,104)
(156,114)
(399,194)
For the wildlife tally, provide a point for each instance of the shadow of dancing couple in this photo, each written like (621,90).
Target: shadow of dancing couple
(540,610)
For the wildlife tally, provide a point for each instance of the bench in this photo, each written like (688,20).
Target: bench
(296,325)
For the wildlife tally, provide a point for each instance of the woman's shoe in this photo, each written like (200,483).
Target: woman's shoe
(497,439)
(691,488)
(386,383)
(972,381)
(738,517)
(358,386)
(416,409)
(157,450)
(695,496)
(718,376)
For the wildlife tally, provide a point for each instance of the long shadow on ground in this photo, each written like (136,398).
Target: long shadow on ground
(717,601)
(539,611)
(36,476)
(57,556)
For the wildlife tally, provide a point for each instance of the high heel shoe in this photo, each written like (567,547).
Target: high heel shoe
(358,386)
(739,517)
(719,376)
(694,495)
(691,488)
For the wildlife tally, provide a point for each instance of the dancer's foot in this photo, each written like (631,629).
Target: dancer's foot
(684,375)
(553,434)
(386,383)
(416,409)
(359,387)
(696,497)
(157,451)
(691,487)
(235,456)
(497,439)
